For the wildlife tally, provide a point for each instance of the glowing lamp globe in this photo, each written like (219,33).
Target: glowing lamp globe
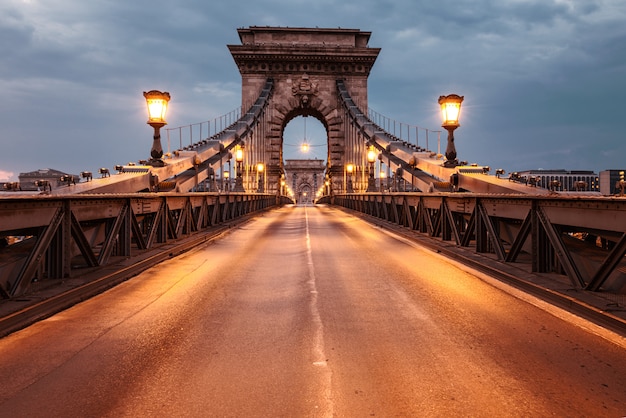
(450,110)
(157,106)
(371,155)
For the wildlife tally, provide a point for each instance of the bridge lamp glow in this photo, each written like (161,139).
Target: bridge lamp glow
(371,159)
(157,108)
(226,180)
(450,112)
(239,169)
(348,182)
(260,167)
(371,155)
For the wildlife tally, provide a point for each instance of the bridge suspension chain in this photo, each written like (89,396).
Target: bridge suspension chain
(404,131)
(398,153)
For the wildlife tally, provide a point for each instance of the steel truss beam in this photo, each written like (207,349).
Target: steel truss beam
(609,265)
(582,238)
(63,235)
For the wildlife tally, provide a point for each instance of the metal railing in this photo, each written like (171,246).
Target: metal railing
(412,134)
(49,238)
(196,132)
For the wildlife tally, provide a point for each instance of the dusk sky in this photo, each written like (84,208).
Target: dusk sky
(543,80)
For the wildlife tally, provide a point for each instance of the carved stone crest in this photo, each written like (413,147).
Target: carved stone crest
(304,89)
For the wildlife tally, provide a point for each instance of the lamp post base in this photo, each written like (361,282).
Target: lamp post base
(371,185)
(239,185)
(451,163)
(156,162)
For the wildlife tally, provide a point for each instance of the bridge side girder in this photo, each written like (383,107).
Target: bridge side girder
(518,229)
(64,235)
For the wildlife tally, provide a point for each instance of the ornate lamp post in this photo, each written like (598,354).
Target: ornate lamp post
(350,170)
(226,181)
(371,159)
(450,111)
(260,169)
(239,169)
(329,182)
(157,107)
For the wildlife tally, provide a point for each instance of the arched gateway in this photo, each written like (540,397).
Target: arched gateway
(305,65)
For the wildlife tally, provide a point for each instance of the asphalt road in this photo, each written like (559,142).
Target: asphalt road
(309,312)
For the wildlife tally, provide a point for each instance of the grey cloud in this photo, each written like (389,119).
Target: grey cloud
(536,74)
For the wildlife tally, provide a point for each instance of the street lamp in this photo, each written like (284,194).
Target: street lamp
(450,111)
(350,170)
(371,159)
(382,178)
(226,181)
(157,107)
(260,169)
(239,168)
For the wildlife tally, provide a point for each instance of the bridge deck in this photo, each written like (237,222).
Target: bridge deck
(307,311)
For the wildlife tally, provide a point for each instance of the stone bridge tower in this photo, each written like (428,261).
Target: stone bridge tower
(305,64)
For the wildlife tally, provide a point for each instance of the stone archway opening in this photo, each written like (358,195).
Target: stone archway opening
(304,169)
(305,195)
(305,132)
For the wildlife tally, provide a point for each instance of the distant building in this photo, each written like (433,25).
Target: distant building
(304,178)
(608,181)
(53,177)
(561,180)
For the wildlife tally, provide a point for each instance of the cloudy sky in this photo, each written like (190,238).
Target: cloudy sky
(543,80)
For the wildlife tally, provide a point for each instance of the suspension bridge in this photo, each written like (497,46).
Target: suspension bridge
(298,283)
